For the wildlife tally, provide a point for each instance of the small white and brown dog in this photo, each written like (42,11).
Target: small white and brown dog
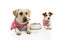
(21,21)
(46,20)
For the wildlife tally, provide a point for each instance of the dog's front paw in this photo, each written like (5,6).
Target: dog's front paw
(28,32)
(48,28)
(18,33)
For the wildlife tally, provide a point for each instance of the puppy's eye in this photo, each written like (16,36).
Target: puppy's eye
(45,15)
(21,13)
(26,13)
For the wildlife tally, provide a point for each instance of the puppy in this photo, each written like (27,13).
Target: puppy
(46,20)
(21,21)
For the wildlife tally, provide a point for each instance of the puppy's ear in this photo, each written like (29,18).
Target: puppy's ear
(44,14)
(50,13)
(15,13)
(29,12)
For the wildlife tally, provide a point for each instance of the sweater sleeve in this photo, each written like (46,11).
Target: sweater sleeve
(13,25)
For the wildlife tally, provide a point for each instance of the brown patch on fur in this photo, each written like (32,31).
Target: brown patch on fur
(50,13)
(15,12)
(44,14)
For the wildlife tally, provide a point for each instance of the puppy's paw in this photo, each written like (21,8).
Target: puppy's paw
(18,33)
(28,32)
(48,28)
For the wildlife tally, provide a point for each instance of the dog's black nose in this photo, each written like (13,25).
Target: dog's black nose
(24,19)
(48,18)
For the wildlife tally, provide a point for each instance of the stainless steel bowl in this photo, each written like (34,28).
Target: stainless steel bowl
(36,26)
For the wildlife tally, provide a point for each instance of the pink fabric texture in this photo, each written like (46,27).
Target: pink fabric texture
(15,24)
(45,22)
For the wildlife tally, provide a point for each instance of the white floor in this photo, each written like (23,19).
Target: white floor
(35,35)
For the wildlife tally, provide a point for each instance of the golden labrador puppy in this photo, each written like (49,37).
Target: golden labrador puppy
(21,21)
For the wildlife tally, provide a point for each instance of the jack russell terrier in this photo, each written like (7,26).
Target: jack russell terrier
(46,20)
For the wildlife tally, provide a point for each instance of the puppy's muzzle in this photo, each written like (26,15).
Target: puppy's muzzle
(24,19)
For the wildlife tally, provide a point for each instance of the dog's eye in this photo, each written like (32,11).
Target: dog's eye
(26,13)
(45,15)
(21,13)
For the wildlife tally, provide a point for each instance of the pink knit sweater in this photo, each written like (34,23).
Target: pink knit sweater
(15,24)
(45,22)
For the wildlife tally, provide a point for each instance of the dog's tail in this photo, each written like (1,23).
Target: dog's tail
(35,26)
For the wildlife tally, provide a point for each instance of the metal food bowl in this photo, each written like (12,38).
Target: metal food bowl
(36,26)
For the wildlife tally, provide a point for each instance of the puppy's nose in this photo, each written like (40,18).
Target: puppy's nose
(48,18)
(24,19)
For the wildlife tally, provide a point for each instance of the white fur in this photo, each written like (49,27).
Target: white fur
(17,31)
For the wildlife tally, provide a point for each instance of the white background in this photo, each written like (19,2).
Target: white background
(37,7)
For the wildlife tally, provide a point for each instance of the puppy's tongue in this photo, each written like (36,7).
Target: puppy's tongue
(28,19)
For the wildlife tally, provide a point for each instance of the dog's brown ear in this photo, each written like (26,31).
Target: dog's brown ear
(44,14)
(50,13)
(29,12)
(15,13)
